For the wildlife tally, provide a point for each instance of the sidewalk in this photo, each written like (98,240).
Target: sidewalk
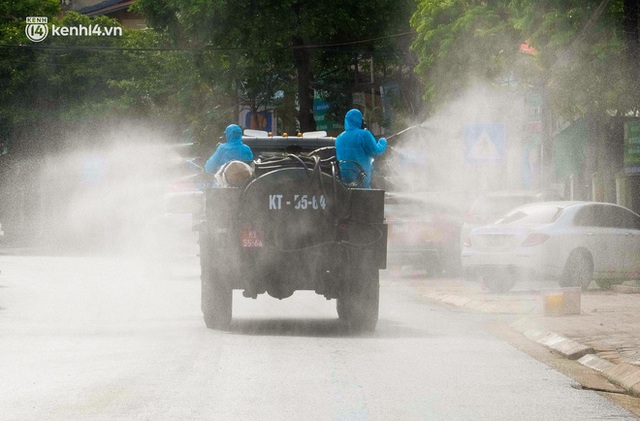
(604,336)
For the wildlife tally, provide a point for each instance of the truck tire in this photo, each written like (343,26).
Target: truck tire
(359,301)
(217,298)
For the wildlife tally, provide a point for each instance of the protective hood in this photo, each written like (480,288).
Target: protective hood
(353,120)
(233,133)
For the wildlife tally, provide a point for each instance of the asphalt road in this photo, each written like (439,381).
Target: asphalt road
(123,339)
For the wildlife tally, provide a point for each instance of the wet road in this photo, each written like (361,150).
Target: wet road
(104,339)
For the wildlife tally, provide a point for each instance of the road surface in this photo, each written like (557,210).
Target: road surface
(89,338)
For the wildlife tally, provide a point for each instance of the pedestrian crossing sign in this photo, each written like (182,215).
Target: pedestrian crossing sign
(484,143)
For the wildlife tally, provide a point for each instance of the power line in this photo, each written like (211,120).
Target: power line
(41,47)
(366,41)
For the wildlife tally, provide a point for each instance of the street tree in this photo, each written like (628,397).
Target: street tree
(17,67)
(280,38)
(83,83)
(584,53)
(581,50)
(461,43)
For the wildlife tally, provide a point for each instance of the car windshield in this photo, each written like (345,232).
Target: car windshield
(532,215)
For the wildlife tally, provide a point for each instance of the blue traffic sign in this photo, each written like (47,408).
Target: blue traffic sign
(484,143)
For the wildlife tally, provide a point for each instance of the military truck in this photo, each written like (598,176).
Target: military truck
(295,225)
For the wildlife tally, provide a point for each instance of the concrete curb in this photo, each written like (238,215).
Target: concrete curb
(566,347)
(625,289)
(496,307)
(595,363)
(625,375)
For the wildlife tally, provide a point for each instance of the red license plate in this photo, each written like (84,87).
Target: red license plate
(251,238)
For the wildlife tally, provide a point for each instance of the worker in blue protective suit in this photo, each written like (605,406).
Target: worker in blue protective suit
(232,150)
(357,145)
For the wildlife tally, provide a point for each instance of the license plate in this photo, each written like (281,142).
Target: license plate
(250,238)
(297,202)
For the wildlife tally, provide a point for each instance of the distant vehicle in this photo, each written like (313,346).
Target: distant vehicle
(294,225)
(424,231)
(185,190)
(574,242)
(488,207)
(1,232)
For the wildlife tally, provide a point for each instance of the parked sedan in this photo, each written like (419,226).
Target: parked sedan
(489,207)
(574,242)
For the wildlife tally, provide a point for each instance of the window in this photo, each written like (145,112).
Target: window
(586,217)
(532,215)
(607,216)
(616,217)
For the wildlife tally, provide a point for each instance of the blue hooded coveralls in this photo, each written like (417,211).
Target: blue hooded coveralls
(232,150)
(356,144)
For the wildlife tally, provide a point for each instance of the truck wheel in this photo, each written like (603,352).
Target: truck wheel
(217,299)
(359,301)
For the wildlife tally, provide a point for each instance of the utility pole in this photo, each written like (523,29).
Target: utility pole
(631,28)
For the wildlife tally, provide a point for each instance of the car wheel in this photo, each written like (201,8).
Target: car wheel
(578,271)
(498,283)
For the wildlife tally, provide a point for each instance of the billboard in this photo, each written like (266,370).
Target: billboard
(632,147)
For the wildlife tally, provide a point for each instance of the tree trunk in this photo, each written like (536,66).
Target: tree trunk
(302,59)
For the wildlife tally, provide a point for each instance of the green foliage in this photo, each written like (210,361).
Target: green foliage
(18,73)
(14,13)
(582,53)
(580,56)
(66,83)
(265,45)
(460,43)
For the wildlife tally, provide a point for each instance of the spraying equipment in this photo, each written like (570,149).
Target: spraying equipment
(294,225)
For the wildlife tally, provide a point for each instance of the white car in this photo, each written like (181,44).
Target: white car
(574,242)
(490,207)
